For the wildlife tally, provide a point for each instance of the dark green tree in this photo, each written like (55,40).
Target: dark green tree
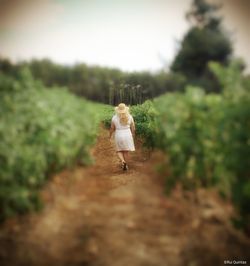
(204,42)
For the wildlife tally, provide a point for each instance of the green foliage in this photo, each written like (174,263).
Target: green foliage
(198,48)
(203,14)
(107,116)
(203,43)
(235,139)
(144,116)
(106,85)
(187,137)
(41,131)
(205,136)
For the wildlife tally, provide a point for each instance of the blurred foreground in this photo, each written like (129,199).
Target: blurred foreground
(100,215)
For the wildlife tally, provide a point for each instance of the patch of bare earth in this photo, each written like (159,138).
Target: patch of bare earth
(100,215)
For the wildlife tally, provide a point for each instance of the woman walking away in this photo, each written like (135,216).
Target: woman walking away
(123,125)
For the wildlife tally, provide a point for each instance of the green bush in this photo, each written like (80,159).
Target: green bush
(205,136)
(144,116)
(41,131)
(234,139)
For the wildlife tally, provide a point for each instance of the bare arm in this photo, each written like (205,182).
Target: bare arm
(132,127)
(111,130)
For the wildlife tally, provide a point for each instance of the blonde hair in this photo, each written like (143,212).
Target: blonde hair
(123,117)
(123,113)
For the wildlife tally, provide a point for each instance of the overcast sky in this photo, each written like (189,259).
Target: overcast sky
(131,35)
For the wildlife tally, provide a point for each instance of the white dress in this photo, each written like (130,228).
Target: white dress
(123,136)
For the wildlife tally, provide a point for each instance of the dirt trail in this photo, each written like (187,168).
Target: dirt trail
(100,215)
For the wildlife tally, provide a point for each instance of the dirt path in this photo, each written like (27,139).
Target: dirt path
(100,215)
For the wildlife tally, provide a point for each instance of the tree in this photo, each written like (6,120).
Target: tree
(204,42)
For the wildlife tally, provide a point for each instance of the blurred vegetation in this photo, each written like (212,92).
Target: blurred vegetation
(41,131)
(205,137)
(204,42)
(99,84)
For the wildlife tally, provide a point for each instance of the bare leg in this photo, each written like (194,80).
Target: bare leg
(125,155)
(120,155)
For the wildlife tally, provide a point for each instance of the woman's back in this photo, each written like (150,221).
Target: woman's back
(123,126)
(117,123)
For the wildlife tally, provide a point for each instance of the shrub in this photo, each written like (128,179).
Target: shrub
(41,131)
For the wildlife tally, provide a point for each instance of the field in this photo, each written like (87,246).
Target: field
(205,137)
(203,140)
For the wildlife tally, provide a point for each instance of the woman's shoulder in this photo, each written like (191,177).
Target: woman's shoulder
(114,117)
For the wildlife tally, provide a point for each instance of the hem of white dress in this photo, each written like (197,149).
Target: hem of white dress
(124,150)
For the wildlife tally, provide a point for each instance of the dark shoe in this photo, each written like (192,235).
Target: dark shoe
(124,166)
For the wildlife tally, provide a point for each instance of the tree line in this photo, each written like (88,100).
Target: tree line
(97,83)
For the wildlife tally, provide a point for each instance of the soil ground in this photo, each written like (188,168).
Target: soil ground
(102,216)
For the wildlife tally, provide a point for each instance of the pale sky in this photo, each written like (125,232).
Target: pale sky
(130,35)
